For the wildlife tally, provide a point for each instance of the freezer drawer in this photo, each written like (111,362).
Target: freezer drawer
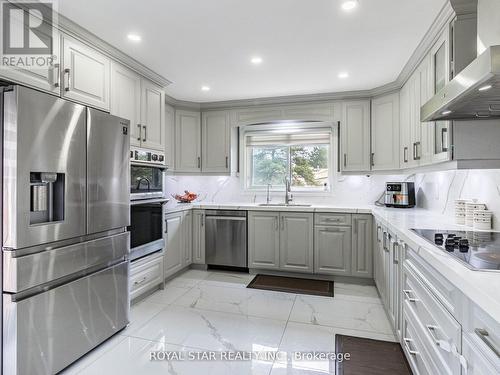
(47,332)
(24,272)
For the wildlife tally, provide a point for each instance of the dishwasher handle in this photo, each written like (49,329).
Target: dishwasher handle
(237,218)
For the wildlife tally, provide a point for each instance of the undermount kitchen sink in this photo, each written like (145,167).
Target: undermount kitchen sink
(283,205)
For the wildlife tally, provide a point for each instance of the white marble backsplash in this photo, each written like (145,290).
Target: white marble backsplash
(436,191)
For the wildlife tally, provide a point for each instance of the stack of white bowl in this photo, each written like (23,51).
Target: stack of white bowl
(482,219)
(470,209)
(460,211)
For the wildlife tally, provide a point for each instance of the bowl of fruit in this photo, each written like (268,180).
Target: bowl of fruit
(187,197)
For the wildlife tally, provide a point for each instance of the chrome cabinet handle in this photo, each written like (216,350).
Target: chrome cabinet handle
(199,162)
(227,162)
(67,73)
(485,337)
(414,151)
(140,281)
(140,131)
(405,154)
(395,248)
(372,159)
(379,229)
(166,226)
(418,146)
(407,342)
(443,344)
(330,219)
(345,160)
(57,75)
(202,220)
(145,135)
(407,293)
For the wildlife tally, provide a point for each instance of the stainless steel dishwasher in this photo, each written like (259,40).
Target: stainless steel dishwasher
(226,238)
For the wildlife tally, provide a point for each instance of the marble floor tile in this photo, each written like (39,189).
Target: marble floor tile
(299,337)
(140,313)
(189,278)
(282,368)
(212,330)
(354,292)
(228,279)
(132,356)
(336,312)
(264,304)
(167,296)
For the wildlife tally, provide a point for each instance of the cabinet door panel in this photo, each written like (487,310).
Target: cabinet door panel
(355,136)
(296,242)
(175,242)
(332,250)
(187,141)
(385,132)
(126,99)
(86,76)
(187,230)
(169,137)
(152,116)
(362,244)
(263,240)
(405,149)
(199,237)
(216,135)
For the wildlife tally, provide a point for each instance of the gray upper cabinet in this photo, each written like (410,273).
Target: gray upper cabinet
(216,142)
(126,99)
(362,246)
(355,136)
(46,79)
(296,242)
(169,137)
(263,240)
(187,141)
(152,116)
(385,132)
(86,74)
(332,250)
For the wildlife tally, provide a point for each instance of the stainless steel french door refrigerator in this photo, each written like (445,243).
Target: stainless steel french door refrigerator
(65,209)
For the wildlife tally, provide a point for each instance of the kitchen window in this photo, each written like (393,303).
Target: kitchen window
(301,154)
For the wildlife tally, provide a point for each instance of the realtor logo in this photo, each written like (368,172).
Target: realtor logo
(27,34)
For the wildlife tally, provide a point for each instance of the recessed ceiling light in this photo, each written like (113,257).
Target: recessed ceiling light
(343,75)
(134,37)
(205,88)
(447,112)
(484,88)
(256,60)
(348,5)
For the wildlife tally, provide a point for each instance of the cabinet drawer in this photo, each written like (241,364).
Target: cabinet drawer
(483,332)
(477,364)
(332,219)
(414,349)
(439,329)
(144,275)
(440,287)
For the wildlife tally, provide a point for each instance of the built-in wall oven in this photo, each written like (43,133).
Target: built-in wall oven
(146,202)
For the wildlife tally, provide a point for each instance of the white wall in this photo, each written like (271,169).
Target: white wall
(488,24)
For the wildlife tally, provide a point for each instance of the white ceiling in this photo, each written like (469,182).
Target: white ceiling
(304,43)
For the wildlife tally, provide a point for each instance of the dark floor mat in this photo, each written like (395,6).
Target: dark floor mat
(292,285)
(370,357)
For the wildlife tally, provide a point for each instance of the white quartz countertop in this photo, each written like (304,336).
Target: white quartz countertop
(481,287)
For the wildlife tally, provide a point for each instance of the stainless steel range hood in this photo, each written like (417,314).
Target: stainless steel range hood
(473,94)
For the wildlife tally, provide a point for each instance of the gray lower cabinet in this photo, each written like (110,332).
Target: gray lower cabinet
(187,232)
(332,250)
(296,242)
(362,246)
(199,237)
(263,240)
(173,257)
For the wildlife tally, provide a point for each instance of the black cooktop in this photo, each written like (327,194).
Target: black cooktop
(478,250)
